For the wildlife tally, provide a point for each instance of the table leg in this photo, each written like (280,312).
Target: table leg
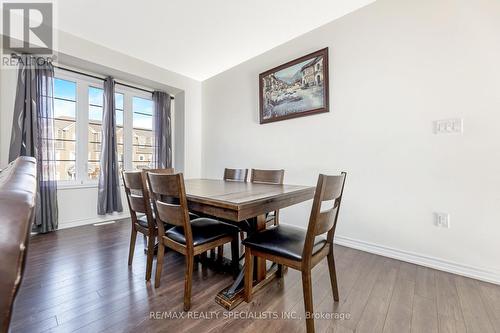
(232,295)
(260,263)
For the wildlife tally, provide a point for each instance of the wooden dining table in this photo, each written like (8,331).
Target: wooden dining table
(244,204)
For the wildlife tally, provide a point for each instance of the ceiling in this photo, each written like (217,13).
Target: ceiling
(196,38)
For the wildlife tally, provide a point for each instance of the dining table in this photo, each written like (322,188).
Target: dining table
(247,205)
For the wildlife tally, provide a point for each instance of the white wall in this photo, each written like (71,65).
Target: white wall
(395,67)
(78,205)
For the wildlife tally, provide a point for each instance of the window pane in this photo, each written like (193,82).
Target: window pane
(119,101)
(142,151)
(93,170)
(120,157)
(142,140)
(94,132)
(64,89)
(142,105)
(65,129)
(94,150)
(95,96)
(141,166)
(65,154)
(120,152)
(65,150)
(119,109)
(119,128)
(64,109)
(143,121)
(65,170)
(95,114)
(119,118)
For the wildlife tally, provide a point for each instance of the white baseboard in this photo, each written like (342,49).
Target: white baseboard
(486,275)
(78,223)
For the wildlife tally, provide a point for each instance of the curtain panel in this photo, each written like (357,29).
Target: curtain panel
(109,197)
(162,125)
(33,135)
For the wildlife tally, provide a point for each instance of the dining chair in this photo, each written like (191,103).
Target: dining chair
(141,214)
(167,171)
(276,177)
(188,238)
(299,249)
(235,175)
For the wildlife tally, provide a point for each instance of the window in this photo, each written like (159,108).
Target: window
(78,110)
(142,151)
(65,128)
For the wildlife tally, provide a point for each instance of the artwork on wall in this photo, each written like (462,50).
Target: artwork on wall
(295,89)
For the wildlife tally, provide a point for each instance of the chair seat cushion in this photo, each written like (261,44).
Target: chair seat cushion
(204,230)
(193,216)
(143,221)
(284,241)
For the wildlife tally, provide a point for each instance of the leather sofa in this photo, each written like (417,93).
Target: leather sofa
(17,202)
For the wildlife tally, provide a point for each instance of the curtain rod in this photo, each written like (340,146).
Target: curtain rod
(96,77)
(102,79)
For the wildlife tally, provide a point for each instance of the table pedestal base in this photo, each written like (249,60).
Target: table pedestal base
(230,297)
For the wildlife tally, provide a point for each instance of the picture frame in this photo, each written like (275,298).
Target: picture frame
(295,89)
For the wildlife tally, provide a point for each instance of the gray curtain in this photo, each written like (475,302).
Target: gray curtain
(109,198)
(162,125)
(33,135)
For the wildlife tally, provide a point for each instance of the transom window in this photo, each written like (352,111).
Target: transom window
(78,110)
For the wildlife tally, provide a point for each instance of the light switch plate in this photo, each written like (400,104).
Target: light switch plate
(449,126)
(442,220)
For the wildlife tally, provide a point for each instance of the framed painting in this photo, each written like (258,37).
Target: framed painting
(295,89)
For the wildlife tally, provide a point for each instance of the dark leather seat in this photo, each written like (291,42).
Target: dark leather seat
(143,220)
(204,231)
(284,241)
(193,216)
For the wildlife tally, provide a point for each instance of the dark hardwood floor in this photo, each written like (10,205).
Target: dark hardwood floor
(78,280)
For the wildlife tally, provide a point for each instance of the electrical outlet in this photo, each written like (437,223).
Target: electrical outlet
(449,126)
(442,220)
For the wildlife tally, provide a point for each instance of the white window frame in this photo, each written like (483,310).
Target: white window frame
(83,83)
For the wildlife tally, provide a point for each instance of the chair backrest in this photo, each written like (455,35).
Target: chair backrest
(169,201)
(236,175)
(137,196)
(267,176)
(166,171)
(328,190)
